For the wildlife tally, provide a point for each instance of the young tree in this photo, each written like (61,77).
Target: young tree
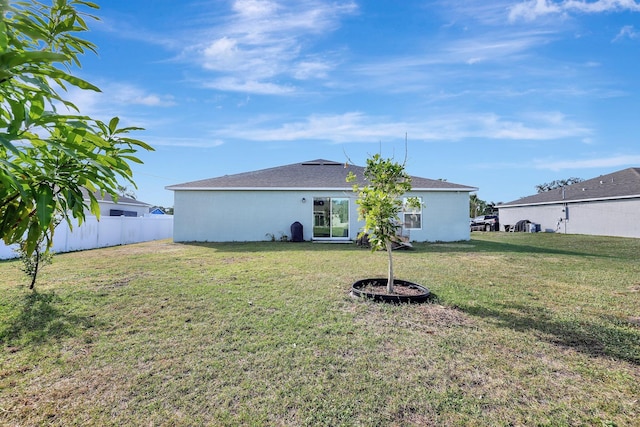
(46,156)
(33,263)
(380,204)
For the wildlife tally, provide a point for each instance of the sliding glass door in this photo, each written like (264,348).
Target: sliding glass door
(330,217)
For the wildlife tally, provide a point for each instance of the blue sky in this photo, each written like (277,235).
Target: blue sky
(499,95)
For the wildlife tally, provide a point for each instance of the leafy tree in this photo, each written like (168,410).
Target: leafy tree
(380,204)
(558,183)
(46,156)
(477,206)
(125,191)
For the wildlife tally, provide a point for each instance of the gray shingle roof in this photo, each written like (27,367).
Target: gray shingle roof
(123,200)
(314,174)
(621,184)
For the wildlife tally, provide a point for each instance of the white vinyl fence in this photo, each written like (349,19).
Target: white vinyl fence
(109,231)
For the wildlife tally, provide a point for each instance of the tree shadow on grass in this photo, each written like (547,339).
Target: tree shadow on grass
(474,246)
(480,246)
(619,340)
(247,247)
(39,319)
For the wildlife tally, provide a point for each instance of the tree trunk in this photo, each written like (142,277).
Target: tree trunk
(34,273)
(390,275)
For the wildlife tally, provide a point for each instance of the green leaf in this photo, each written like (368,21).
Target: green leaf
(8,145)
(17,110)
(138,143)
(45,205)
(77,82)
(88,4)
(95,207)
(133,159)
(32,238)
(113,124)
(13,59)
(3,35)
(37,107)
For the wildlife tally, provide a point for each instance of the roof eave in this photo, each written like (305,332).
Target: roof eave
(175,188)
(555,202)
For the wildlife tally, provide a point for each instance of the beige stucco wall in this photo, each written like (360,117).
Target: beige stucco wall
(249,215)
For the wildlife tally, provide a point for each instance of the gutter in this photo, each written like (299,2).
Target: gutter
(565,201)
(175,188)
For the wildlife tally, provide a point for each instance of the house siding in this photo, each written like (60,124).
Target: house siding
(252,215)
(445,217)
(604,218)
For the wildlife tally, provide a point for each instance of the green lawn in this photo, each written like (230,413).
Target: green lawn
(526,329)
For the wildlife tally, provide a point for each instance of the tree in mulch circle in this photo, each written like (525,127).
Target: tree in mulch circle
(380,204)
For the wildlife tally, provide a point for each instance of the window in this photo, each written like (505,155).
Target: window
(330,217)
(411,216)
(120,212)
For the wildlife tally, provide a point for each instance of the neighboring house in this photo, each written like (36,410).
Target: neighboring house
(124,206)
(254,206)
(608,205)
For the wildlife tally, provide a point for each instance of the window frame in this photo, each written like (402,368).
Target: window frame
(411,211)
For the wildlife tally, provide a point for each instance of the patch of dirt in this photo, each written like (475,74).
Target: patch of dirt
(438,315)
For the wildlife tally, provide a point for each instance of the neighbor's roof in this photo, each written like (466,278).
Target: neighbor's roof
(623,184)
(315,174)
(122,200)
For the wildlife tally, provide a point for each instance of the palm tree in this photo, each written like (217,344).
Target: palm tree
(125,191)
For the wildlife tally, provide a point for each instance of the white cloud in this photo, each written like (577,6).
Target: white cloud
(532,9)
(114,96)
(232,84)
(494,46)
(348,127)
(627,32)
(600,162)
(599,6)
(357,127)
(263,41)
(127,94)
(486,57)
(183,142)
(305,70)
(255,8)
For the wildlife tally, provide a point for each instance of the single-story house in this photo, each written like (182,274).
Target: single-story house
(124,206)
(255,206)
(608,205)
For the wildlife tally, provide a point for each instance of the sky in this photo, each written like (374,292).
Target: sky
(498,95)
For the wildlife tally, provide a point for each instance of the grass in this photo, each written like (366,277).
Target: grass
(527,329)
